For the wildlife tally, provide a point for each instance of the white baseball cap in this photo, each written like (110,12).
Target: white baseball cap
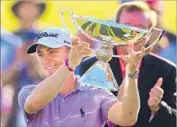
(53,37)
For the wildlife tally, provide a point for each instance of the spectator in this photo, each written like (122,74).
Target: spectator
(24,70)
(8,49)
(167,46)
(9,42)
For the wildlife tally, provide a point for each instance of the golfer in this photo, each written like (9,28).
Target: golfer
(60,101)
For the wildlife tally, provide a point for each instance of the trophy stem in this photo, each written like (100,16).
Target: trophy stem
(105,52)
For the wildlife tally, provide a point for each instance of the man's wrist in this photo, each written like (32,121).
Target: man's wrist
(155,109)
(68,65)
(133,75)
(131,68)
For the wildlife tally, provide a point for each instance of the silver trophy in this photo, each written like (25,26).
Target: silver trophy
(107,34)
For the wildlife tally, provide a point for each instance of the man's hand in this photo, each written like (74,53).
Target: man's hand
(134,57)
(155,96)
(78,51)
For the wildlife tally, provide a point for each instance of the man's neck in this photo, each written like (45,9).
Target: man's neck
(69,85)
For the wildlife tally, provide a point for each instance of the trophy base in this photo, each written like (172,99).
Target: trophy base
(99,75)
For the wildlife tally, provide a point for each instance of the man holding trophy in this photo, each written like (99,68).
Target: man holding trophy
(156,78)
(60,100)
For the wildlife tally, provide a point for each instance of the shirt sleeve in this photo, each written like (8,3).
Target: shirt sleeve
(22,96)
(107,101)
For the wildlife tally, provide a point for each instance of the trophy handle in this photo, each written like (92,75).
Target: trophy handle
(61,10)
(153,31)
(73,17)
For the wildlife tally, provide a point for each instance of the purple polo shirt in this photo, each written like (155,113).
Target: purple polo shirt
(82,107)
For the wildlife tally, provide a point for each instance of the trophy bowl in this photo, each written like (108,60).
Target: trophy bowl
(107,34)
(114,33)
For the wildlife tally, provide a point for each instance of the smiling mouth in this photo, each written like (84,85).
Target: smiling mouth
(50,67)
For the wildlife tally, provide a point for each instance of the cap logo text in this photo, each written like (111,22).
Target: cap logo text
(45,34)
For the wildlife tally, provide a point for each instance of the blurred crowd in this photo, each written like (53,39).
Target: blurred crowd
(19,69)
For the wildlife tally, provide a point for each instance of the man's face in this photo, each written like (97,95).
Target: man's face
(51,59)
(136,19)
(28,12)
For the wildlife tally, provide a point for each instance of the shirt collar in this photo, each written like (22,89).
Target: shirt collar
(80,87)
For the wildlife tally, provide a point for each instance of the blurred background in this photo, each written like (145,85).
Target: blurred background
(20,23)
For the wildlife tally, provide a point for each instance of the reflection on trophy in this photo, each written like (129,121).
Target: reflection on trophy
(107,34)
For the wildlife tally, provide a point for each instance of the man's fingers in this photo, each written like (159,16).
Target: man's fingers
(157,90)
(142,53)
(156,94)
(154,99)
(86,50)
(159,82)
(151,102)
(148,50)
(75,40)
(85,55)
(130,48)
(125,58)
(83,44)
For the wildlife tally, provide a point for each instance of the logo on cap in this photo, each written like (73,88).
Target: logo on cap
(69,43)
(45,34)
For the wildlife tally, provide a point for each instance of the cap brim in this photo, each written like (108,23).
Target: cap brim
(32,48)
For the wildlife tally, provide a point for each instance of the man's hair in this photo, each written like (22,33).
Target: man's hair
(138,6)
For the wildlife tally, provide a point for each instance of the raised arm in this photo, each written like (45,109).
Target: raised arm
(125,112)
(48,89)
